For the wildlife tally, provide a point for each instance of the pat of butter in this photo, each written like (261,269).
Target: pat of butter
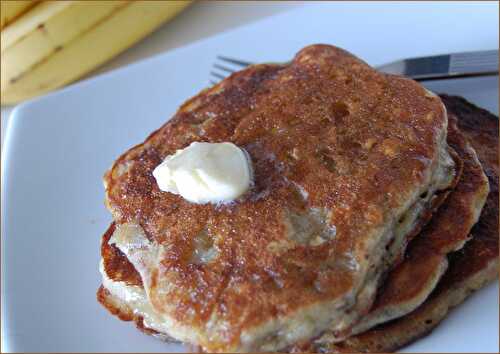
(206,173)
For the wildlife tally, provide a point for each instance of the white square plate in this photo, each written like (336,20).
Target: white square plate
(58,147)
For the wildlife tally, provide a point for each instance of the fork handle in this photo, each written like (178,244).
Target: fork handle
(474,62)
(453,65)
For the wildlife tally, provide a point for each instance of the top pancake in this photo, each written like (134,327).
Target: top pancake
(337,148)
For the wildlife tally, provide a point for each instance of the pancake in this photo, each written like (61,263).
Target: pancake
(469,269)
(410,283)
(328,137)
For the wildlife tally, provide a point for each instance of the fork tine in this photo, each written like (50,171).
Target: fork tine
(219,72)
(224,68)
(234,61)
(217,75)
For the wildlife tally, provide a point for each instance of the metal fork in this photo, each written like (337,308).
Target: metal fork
(437,67)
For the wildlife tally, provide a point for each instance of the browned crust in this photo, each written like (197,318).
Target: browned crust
(116,265)
(114,306)
(325,122)
(481,128)
(469,269)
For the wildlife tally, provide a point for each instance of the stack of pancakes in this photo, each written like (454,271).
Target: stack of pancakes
(363,226)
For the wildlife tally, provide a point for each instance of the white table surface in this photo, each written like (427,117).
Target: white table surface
(200,20)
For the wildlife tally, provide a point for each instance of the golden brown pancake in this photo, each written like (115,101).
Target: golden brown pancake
(340,154)
(469,269)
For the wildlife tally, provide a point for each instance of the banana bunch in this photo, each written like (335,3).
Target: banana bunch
(47,44)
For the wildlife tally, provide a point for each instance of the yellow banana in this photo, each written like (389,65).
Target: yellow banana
(11,9)
(75,38)
(49,27)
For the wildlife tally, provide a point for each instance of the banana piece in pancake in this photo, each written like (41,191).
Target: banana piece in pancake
(340,153)
(410,283)
(469,269)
